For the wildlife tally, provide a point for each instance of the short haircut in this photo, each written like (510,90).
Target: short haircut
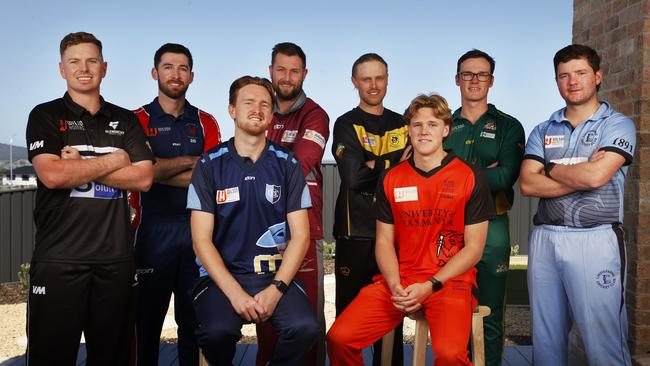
(76,38)
(172,48)
(474,53)
(249,80)
(577,51)
(367,58)
(288,49)
(434,101)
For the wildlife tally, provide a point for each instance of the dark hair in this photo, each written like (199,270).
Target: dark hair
(577,51)
(366,58)
(474,53)
(76,38)
(249,80)
(172,48)
(289,49)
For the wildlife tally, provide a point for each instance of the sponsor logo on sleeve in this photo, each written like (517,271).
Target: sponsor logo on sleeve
(314,136)
(405,194)
(272,193)
(227,195)
(339,151)
(38,290)
(97,191)
(36,145)
(289,136)
(553,141)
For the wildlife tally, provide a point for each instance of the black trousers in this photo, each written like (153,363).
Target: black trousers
(68,298)
(355,265)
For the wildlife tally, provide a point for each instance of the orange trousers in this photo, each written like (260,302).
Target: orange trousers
(371,315)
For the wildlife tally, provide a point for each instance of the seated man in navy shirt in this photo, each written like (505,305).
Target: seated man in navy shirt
(250,233)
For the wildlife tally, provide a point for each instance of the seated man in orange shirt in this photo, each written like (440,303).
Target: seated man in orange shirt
(432,218)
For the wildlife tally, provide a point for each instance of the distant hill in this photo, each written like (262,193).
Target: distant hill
(19,152)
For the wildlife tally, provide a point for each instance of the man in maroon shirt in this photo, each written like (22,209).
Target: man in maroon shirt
(302,126)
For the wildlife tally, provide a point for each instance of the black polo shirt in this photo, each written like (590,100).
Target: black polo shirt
(89,223)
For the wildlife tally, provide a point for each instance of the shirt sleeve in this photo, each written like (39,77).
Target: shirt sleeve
(298,197)
(42,134)
(510,155)
(382,204)
(201,191)
(535,145)
(479,206)
(311,141)
(211,131)
(136,144)
(619,136)
(350,158)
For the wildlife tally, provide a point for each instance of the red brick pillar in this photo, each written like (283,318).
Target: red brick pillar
(620,31)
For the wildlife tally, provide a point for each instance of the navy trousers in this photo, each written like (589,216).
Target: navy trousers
(219,326)
(165,265)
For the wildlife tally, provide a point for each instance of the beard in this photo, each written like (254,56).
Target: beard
(173,94)
(290,95)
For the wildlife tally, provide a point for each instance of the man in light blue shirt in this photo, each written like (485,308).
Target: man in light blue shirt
(576,162)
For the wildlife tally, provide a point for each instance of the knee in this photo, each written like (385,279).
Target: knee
(450,355)
(339,335)
(306,331)
(215,335)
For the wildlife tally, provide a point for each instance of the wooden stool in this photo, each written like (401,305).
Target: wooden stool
(422,334)
(202,360)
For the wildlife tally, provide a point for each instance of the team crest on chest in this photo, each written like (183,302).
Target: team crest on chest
(272,193)
(590,138)
(490,125)
(394,139)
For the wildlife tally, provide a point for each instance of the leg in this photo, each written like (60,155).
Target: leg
(156,267)
(491,280)
(296,326)
(355,268)
(548,300)
(594,276)
(110,322)
(449,314)
(218,325)
(55,313)
(364,321)
(187,274)
(310,276)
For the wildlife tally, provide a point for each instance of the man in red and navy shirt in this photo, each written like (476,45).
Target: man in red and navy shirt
(302,126)
(178,134)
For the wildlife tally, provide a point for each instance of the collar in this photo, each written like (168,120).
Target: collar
(157,111)
(604,111)
(244,160)
(492,111)
(443,163)
(79,111)
(300,101)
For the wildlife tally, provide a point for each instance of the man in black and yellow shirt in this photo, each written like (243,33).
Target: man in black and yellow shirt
(493,141)
(367,140)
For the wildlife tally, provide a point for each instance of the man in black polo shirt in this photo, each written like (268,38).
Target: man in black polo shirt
(87,153)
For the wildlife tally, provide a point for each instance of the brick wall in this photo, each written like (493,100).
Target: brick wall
(620,31)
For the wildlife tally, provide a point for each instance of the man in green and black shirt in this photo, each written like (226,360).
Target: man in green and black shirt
(494,141)
(366,141)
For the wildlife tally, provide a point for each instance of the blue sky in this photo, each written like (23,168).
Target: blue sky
(421,41)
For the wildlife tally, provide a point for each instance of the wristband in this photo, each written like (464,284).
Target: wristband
(281,286)
(547,169)
(435,284)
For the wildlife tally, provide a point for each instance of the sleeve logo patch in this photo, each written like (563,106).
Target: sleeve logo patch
(553,141)
(339,151)
(406,194)
(316,137)
(289,136)
(227,195)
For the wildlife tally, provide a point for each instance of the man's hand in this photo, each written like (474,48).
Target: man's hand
(493,165)
(597,155)
(415,295)
(370,164)
(69,152)
(247,307)
(268,299)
